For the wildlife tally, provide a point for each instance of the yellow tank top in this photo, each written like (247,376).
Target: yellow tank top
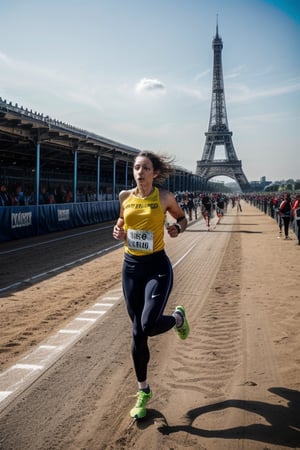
(144,224)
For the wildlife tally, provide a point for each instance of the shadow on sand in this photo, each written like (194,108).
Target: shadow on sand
(283,421)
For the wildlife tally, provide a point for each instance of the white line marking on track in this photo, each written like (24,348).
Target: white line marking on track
(19,377)
(12,382)
(4,394)
(184,256)
(85,319)
(28,366)
(103,304)
(48,347)
(69,331)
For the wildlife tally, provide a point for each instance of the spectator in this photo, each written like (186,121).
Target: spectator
(276,203)
(285,211)
(29,196)
(296,216)
(19,199)
(44,198)
(60,194)
(5,199)
(69,196)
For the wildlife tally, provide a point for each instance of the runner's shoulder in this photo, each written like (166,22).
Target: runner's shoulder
(165,195)
(123,195)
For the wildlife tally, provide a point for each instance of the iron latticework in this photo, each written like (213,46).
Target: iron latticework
(218,133)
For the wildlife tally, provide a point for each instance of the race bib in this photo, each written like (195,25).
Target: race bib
(140,240)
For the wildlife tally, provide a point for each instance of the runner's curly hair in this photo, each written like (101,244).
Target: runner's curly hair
(163,164)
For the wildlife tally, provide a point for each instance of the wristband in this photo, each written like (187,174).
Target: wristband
(178,226)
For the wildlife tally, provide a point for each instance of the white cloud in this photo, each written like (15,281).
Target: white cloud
(4,58)
(199,94)
(201,75)
(21,70)
(236,72)
(149,85)
(85,98)
(46,82)
(241,93)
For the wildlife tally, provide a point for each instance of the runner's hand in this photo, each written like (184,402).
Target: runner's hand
(173,230)
(118,233)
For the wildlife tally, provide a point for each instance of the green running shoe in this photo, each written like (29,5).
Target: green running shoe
(139,411)
(184,330)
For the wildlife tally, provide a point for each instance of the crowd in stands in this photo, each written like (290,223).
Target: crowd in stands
(284,208)
(15,195)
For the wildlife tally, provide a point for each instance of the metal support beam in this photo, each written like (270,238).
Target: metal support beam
(75,175)
(98,176)
(37,173)
(114,177)
(126,175)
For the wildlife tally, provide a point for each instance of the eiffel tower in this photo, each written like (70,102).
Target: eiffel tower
(218,133)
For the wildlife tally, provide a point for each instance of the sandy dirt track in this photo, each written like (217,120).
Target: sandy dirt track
(234,384)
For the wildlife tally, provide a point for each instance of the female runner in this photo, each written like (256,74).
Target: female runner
(147,275)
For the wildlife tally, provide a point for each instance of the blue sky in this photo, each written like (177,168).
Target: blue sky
(140,72)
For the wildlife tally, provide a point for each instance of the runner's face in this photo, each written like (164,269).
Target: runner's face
(143,171)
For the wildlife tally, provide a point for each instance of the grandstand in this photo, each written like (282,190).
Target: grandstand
(42,156)
(36,149)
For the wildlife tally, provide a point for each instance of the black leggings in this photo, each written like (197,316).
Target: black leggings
(286,224)
(147,282)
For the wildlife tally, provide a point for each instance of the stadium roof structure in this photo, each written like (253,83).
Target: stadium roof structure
(22,129)
(33,143)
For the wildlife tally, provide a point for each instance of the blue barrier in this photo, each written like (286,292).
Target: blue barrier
(17,222)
